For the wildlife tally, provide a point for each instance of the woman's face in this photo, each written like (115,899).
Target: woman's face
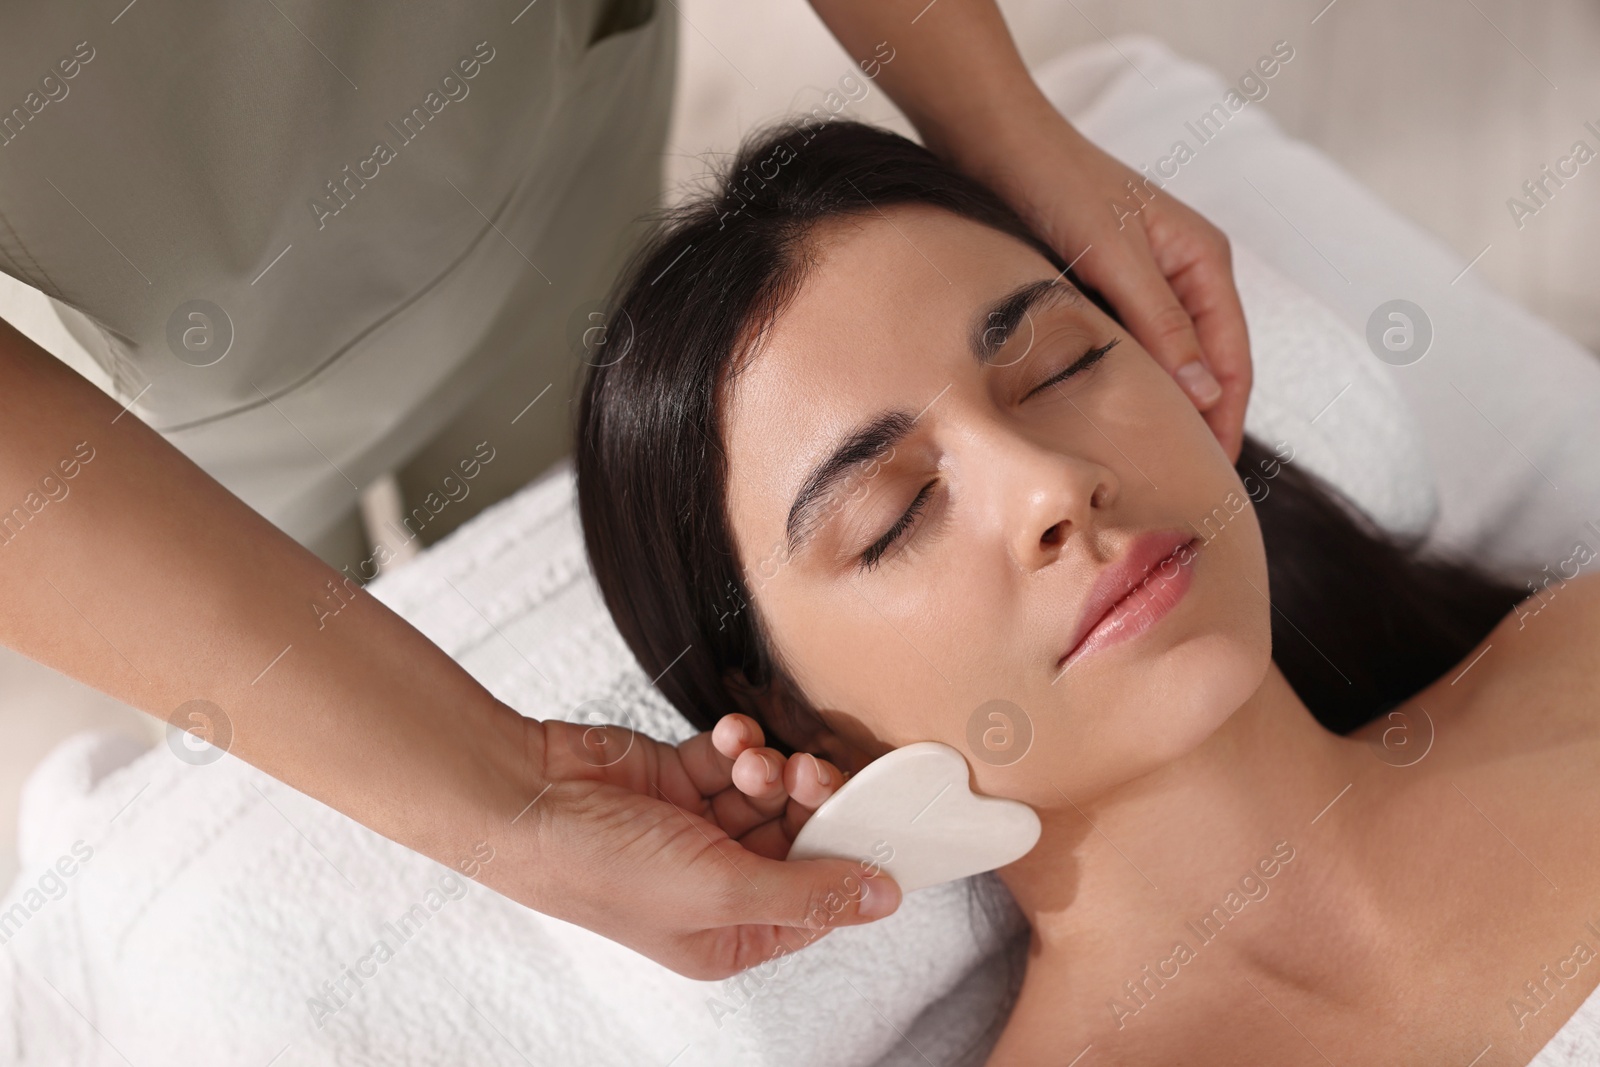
(935,587)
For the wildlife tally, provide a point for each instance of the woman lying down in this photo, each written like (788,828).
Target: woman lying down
(868,453)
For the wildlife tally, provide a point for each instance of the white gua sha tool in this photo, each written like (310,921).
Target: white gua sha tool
(916,799)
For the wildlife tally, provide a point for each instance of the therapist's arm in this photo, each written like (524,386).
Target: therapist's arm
(124,565)
(956,74)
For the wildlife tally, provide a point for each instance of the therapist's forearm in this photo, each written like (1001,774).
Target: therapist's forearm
(956,73)
(152,583)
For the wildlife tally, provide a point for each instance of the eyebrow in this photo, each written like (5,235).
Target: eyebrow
(991,328)
(994,325)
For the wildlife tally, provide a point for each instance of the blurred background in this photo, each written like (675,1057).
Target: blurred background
(1443,108)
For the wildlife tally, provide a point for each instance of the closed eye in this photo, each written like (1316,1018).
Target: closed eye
(1087,360)
(869,559)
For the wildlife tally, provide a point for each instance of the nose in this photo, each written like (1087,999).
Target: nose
(1048,496)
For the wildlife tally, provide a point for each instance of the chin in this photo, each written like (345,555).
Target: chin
(1170,704)
(1197,687)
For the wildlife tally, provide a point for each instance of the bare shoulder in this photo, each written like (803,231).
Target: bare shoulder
(1558,619)
(1539,665)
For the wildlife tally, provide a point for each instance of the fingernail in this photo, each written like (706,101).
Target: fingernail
(772,772)
(877,900)
(822,772)
(1198,382)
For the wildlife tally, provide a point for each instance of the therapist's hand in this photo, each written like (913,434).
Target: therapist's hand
(654,846)
(1166,270)
(955,72)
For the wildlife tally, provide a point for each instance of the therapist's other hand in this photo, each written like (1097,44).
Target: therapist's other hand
(957,75)
(1166,270)
(653,845)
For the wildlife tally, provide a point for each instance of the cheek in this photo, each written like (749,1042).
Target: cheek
(906,665)
(1177,431)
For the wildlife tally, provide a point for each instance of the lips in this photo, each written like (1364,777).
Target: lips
(1117,582)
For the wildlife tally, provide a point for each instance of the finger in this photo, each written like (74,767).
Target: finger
(1226,416)
(826,892)
(758,773)
(736,732)
(769,836)
(767,823)
(708,757)
(1127,276)
(756,798)
(1207,290)
(804,896)
(809,781)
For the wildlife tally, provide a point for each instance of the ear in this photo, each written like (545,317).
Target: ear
(787,718)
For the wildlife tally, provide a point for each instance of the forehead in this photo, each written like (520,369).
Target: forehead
(906,274)
(882,318)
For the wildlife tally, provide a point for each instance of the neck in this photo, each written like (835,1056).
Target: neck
(1125,875)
